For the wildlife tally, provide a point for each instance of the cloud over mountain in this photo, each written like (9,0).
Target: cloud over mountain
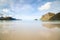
(46,6)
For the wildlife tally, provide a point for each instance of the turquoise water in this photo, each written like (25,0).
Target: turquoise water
(29,30)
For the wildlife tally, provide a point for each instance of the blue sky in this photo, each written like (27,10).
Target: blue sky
(28,9)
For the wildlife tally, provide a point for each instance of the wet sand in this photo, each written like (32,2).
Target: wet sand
(49,25)
(27,31)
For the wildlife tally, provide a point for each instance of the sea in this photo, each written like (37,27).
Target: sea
(29,30)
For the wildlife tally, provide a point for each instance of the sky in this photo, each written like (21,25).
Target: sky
(28,9)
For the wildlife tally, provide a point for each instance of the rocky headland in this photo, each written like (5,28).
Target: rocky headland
(51,17)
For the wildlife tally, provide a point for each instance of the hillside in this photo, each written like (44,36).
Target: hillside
(56,17)
(47,16)
(51,17)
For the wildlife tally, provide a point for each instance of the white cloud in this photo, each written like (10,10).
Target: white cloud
(46,6)
(5,10)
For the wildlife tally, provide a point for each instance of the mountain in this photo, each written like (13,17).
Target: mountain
(56,17)
(47,16)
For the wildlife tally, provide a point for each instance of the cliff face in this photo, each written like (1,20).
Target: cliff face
(56,17)
(51,17)
(47,16)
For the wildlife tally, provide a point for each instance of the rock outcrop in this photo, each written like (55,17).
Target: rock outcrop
(51,17)
(56,17)
(36,19)
(47,16)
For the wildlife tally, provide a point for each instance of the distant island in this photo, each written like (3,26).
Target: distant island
(7,18)
(2,17)
(51,17)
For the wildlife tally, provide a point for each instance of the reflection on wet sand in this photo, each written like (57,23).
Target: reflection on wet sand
(51,25)
(22,31)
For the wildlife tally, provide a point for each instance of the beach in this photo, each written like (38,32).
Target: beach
(27,30)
